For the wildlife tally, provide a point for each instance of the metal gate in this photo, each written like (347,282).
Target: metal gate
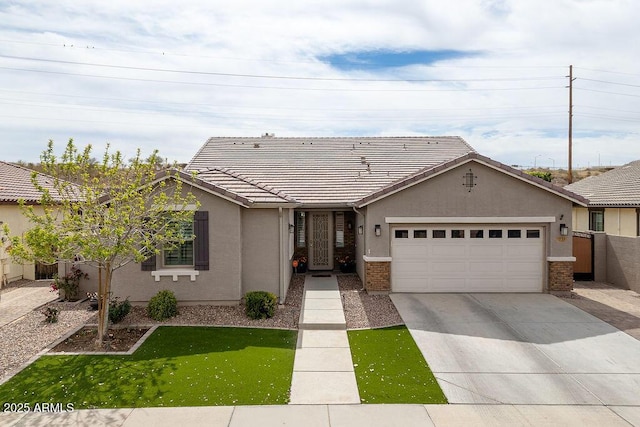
(583,251)
(46,271)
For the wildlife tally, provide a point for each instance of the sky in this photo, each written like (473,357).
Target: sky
(168,75)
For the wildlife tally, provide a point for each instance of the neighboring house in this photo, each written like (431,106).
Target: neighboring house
(15,185)
(613,216)
(417,214)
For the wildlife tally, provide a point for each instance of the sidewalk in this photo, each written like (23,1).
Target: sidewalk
(323,369)
(15,303)
(339,416)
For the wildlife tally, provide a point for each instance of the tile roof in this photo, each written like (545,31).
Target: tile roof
(319,171)
(15,184)
(617,187)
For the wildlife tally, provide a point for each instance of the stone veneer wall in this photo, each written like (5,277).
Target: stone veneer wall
(560,276)
(378,276)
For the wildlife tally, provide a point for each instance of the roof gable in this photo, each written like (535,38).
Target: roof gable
(431,172)
(617,187)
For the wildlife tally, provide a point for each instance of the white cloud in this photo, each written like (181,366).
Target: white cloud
(516,39)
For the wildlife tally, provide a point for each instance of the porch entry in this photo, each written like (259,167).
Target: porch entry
(320,241)
(583,251)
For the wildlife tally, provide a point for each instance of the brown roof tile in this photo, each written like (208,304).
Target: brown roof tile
(16,184)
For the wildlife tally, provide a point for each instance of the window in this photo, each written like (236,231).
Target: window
(182,254)
(495,234)
(476,234)
(419,234)
(339,229)
(439,234)
(596,220)
(198,245)
(514,234)
(402,234)
(533,234)
(457,234)
(300,230)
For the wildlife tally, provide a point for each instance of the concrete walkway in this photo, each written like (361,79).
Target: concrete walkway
(618,307)
(338,416)
(16,302)
(323,368)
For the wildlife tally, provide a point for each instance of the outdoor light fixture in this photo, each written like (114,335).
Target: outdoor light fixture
(360,229)
(564,230)
(378,230)
(291,228)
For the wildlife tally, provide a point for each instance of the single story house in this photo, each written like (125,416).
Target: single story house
(15,185)
(416,214)
(612,222)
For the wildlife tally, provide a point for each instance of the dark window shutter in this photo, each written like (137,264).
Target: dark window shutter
(149,264)
(201,242)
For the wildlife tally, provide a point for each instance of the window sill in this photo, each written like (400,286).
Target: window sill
(175,274)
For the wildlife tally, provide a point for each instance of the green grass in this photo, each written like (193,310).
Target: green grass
(176,366)
(390,368)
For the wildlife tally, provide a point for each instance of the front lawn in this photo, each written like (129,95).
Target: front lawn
(390,368)
(176,366)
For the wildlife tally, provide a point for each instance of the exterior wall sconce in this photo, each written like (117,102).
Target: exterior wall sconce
(564,230)
(360,229)
(378,230)
(291,228)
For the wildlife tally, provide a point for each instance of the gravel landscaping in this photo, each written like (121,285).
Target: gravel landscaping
(363,310)
(26,337)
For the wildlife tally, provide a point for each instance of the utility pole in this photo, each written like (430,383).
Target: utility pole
(570,169)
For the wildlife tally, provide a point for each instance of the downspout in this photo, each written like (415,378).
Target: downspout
(281,258)
(364,243)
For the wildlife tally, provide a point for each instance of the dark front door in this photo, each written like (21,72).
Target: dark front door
(320,241)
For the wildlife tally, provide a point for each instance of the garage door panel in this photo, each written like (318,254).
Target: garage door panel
(485,267)
(453,268)
(447,250)
(482,264)
(485,251)
(522,268)
(524,251)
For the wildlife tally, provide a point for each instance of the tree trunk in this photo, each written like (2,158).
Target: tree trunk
(104,291)
(101,309)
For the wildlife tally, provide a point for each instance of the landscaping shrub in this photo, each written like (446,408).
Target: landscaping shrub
(260,304)
(162,306)
(51,314)
(118,309)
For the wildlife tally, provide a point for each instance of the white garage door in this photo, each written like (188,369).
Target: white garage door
(469,258)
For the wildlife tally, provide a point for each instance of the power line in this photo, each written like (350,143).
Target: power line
(607,92)
(265,76)
(608,82)
(273,87)
(608,71)
(279,107)
(85,46)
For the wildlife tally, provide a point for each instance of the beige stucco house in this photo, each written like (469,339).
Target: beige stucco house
(16,184)
(612,219)
(416,214)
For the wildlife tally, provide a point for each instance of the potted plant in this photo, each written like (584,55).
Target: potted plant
(93,300)
(347,265)
(299,264)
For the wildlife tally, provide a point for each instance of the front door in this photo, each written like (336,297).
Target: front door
(320,241)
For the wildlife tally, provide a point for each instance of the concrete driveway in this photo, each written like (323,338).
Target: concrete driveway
(521,349)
